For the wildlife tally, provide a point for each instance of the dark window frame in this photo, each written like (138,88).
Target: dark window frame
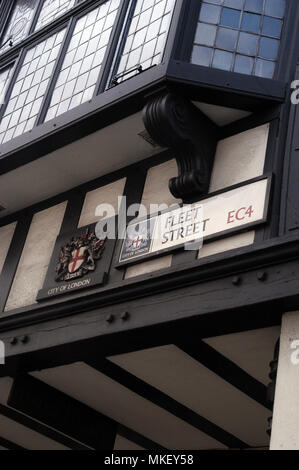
(183,48)
(202,83)
(11,63)
(19,62)
(121,45)
(33,35)
(124,29)
(110,50)
(31,31)
(68,21)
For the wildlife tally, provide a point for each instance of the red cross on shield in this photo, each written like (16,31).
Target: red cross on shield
(78,258)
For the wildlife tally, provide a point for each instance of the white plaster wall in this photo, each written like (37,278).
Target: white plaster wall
(149,266)
(238,158)
(285,429)
(106,194)
(35,257)
(156,192)
(6,234)
(227,244)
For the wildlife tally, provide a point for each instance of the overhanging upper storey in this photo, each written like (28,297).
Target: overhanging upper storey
(237,45)
(57,56)
(75,75)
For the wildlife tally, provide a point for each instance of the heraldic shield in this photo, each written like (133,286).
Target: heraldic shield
(79,256)
(80,261)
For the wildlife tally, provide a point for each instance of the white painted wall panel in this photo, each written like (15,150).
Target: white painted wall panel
(149,266)
(227,244)
(238,158)
(105,195)
(6,234)
(35,257)
(285,430)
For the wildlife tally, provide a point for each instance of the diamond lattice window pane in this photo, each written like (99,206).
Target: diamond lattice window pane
(18,24)
(51,10)
(27,95)
(80,70)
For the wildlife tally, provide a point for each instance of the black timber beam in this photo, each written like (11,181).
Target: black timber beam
(16,400)
(272,255)
(115,104)
(8,445)
(159,398)
(227,370)
(61,412)
(215,86)
(40,428)
(225,294)
(223,88)
(259,118)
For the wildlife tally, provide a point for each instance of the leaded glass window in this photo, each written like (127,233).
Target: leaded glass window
(51,10)
(145,41)
(30,87)
(82,64)
(18,24)
(5,75)
(239,35)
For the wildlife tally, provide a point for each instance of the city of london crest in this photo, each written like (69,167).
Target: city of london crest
(79,256)
(138,239)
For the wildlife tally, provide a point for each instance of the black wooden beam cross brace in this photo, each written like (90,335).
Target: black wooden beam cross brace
(61,412)
(50,412)
(40,428)
(152,394)
(227,370)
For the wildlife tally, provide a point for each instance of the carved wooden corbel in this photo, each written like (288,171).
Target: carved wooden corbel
(174,122)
